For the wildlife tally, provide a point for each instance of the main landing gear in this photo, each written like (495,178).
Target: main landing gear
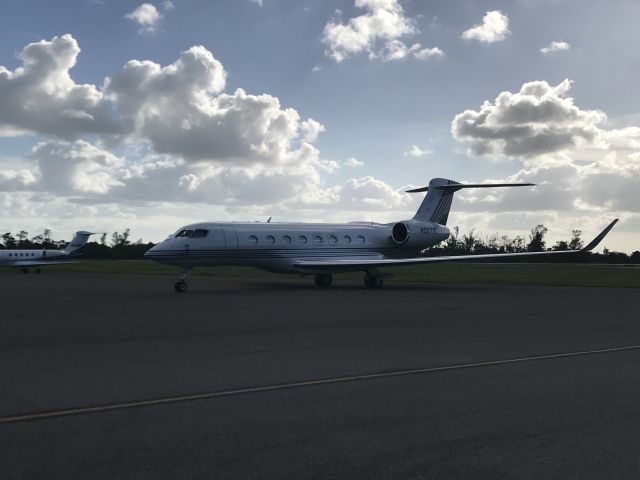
(373,280)
(323,280)
(181,285)
(26,270)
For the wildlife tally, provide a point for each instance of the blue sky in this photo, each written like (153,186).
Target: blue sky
(327,116)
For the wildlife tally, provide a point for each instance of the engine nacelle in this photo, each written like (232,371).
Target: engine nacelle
(400,233)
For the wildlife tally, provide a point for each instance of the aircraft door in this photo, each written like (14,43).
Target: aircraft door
(230,237)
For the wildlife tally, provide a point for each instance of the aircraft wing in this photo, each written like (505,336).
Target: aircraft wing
(387,262)
(35,263)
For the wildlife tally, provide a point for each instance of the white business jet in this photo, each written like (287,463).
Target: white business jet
(26,259)
(322,249)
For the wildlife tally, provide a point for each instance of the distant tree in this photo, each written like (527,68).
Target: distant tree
(561,245)
(103,239)
(8,240)
(470,242)
(47,242)
(120,240)
(536,239)
(492,243)
(576,242)
(635,257)
(22,237)
(518,244)
(125,237)
(452,244)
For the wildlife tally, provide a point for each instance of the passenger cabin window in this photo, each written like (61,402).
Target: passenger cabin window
(360,239)
(287,239)
(317,240)
(270,239)
(253,239)
(302,239)
(332,239)
(347,239)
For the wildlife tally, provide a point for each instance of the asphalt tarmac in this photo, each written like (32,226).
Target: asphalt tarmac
(119,377)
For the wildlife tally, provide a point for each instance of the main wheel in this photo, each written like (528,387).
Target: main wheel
(323,280)
(180,287)
(373,282)
(24,270)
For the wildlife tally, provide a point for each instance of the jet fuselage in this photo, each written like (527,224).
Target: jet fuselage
(277,246)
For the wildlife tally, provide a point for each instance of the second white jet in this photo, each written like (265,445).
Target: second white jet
(36,258)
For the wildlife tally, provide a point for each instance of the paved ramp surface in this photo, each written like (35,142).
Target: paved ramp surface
(110,377)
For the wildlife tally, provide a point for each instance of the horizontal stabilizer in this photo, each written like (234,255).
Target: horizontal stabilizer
(457,186)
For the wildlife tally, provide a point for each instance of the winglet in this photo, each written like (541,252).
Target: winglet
(594,243)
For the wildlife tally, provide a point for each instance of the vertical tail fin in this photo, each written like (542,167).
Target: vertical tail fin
(79,241)
(437,203)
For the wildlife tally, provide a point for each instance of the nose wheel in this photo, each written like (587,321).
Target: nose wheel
(181,285)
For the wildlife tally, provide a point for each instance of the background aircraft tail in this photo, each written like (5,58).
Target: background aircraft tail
(79,241)
(437,203)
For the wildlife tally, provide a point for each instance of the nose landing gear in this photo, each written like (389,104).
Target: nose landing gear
(181,285)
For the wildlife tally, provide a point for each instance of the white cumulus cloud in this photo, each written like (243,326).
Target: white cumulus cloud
(538,119)
(494,28)
(556,47)
(146,16)
(581,167)
(41,97)
(181,109)
(416,151)
(353,162)
(185,141)
(376,32)
(398,50)
(372,192)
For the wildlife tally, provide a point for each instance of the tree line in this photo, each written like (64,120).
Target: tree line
(119,246)
(470,243)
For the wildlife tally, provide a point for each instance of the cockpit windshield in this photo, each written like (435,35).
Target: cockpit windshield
(192,233)
(199,233)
